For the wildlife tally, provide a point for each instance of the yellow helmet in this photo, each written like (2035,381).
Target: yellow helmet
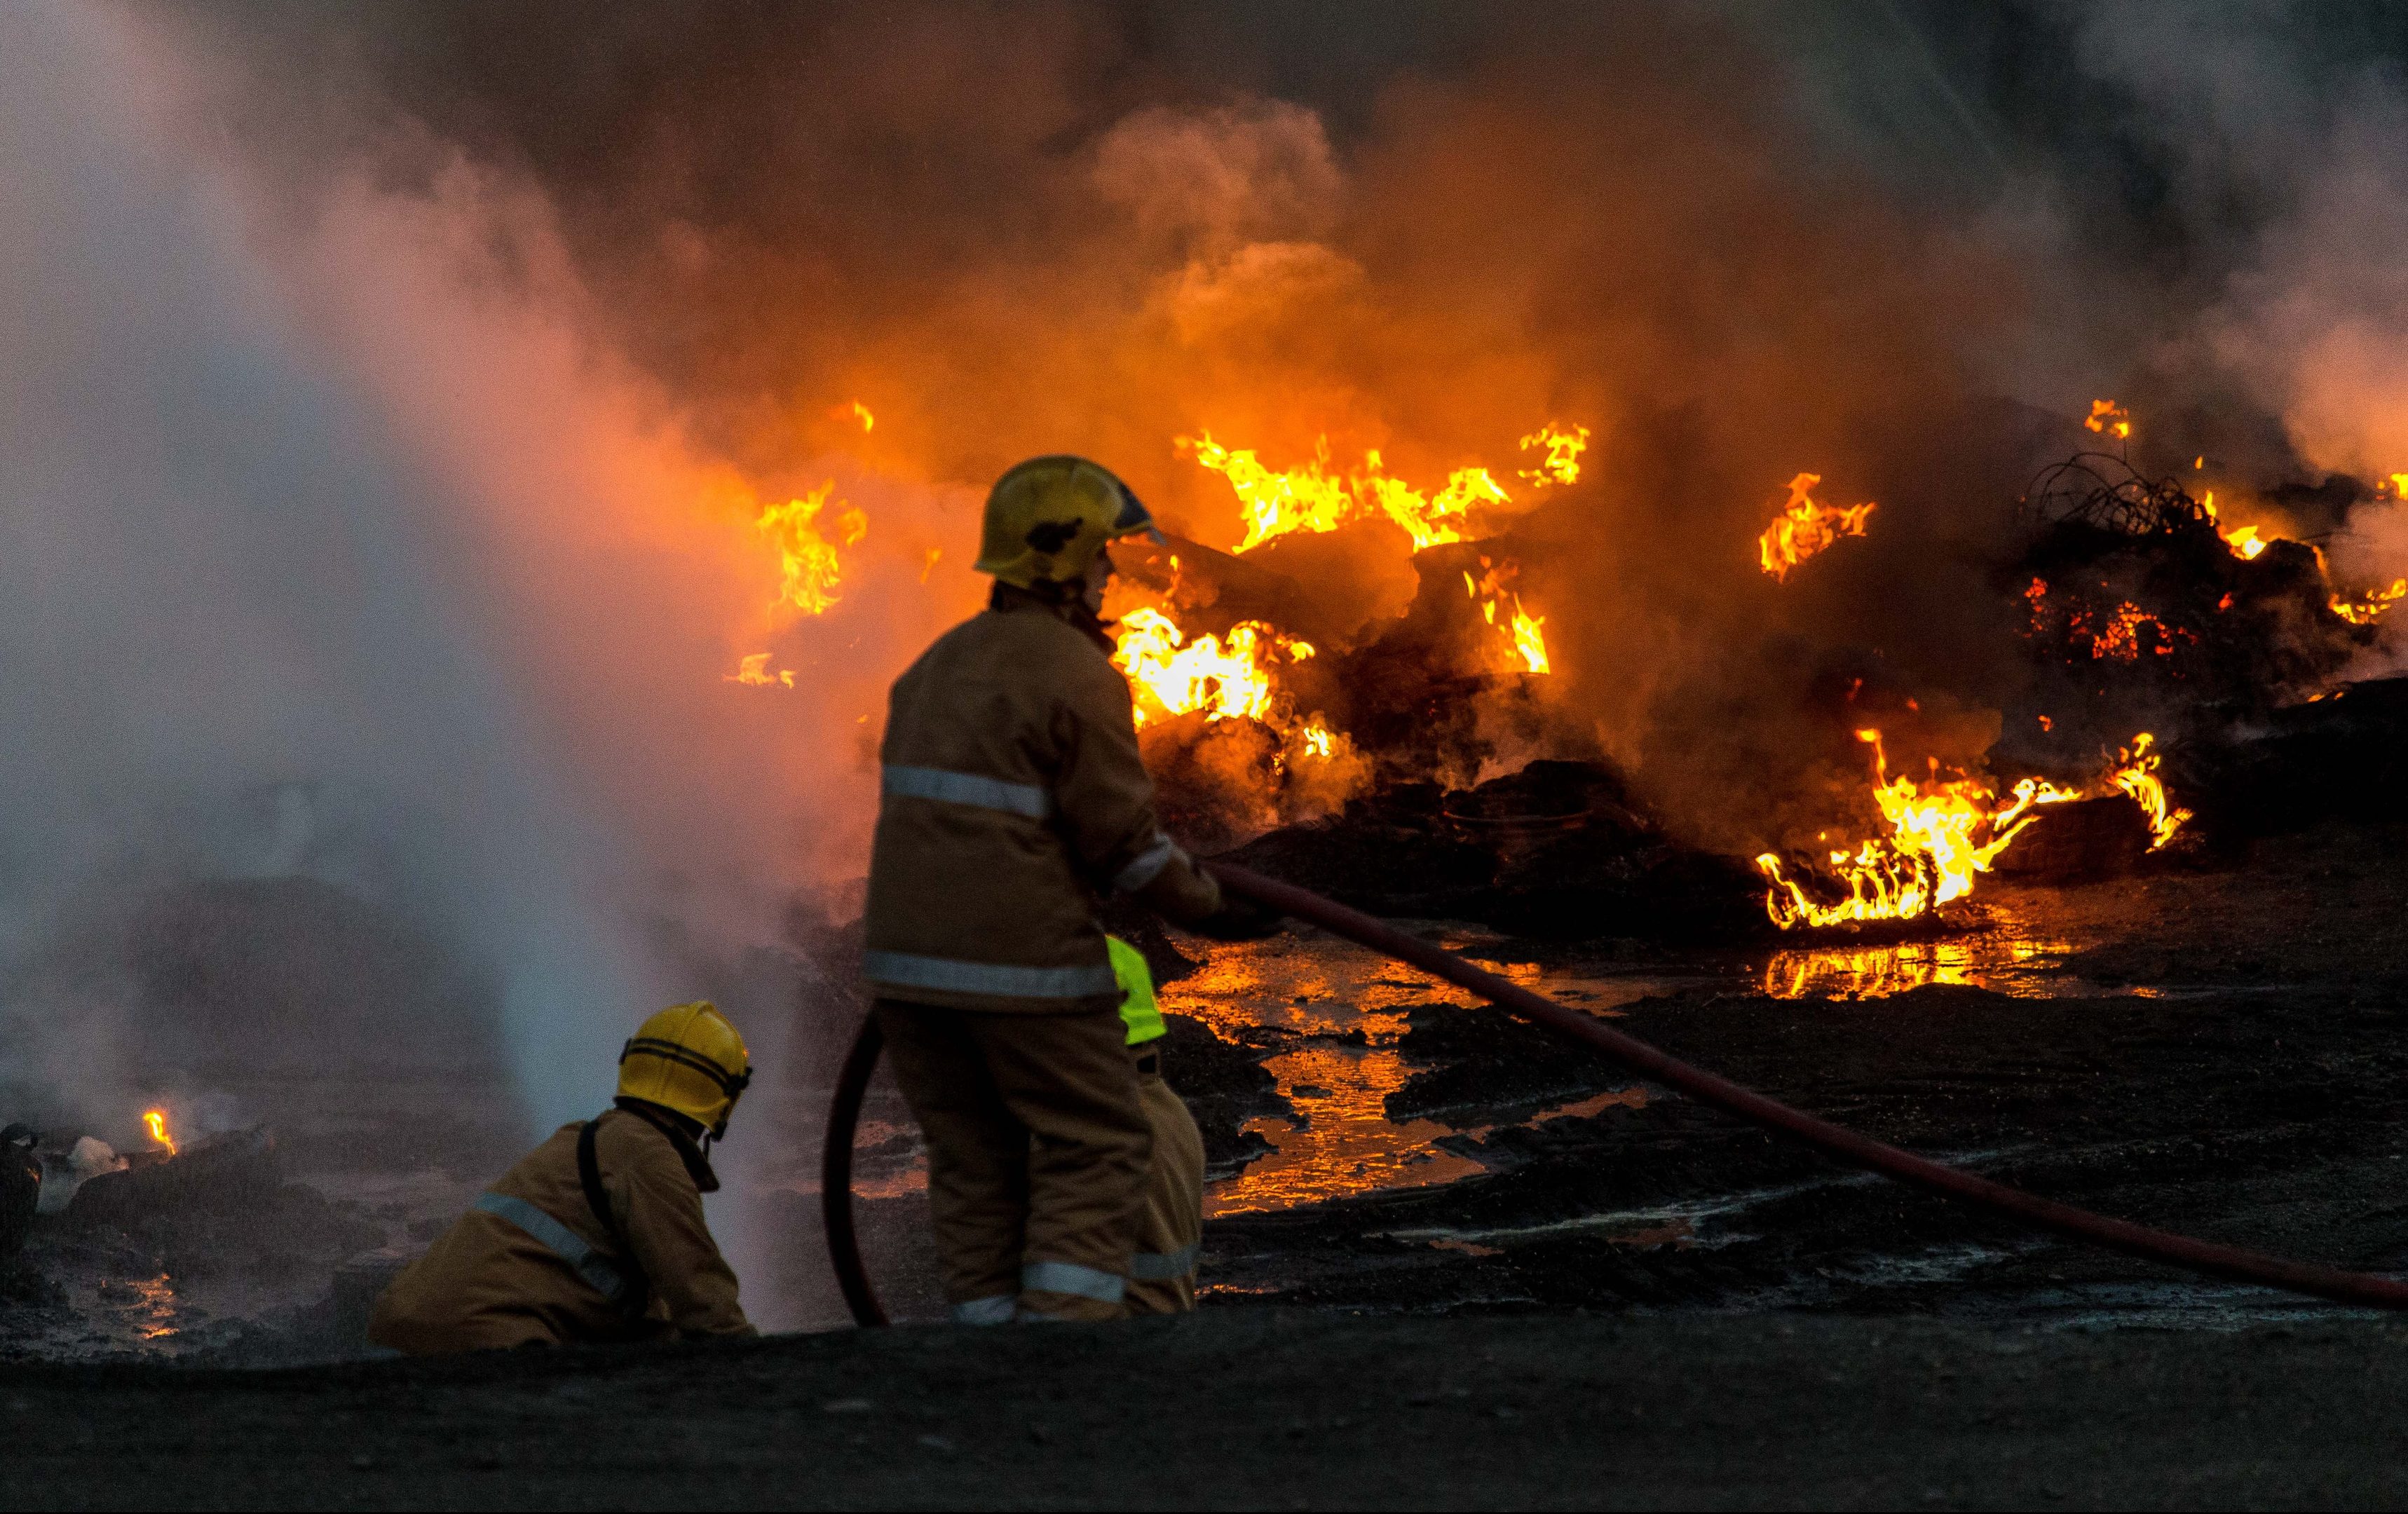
(687,1057)
(1046,519)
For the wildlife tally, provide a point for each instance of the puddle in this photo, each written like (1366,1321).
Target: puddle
(1352,1004)
(2005,959)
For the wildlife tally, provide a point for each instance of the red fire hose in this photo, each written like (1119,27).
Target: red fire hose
(2228,1261)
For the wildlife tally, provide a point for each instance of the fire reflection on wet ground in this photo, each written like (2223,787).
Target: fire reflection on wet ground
(2005,959)
(1348,1008)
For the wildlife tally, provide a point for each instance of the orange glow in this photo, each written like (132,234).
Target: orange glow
(1804,528)
(1172,675)
(2136,774)
(753,671)
(2367,608)
(2120,639)
(811,568)
(157,1121)
(1564,445)
(856,411)
(2108,418)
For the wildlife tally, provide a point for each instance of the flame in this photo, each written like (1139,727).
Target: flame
(1945,833)
(1314,497)
(2367,608)
(1564,445)
(1522,633)
(2106,416)
(810,561)
(157,1121)
(2136,774)
(2244,542)
(1231,679)
(753,671)
(856,411)
(1804,528)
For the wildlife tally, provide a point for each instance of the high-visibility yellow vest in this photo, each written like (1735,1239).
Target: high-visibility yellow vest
(1139,1011)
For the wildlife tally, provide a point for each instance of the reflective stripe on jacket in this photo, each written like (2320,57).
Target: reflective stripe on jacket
(1011,798)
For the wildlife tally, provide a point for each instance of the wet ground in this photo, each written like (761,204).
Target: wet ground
(2216,1052)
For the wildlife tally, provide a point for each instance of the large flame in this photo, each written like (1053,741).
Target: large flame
(811,568)
(1944,834)
(1229,677)
(1804,527)
(157,1121)
(1314,497)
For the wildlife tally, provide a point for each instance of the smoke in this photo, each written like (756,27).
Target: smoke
(394,393)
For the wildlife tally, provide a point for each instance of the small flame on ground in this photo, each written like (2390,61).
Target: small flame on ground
(1944,833)
(754,672)
(2136,774)
(2108,418)
(1804,528)
(809,558)
(157,1121)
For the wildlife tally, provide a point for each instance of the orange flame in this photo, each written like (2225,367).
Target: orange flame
(1564,445)
(2107,416)
(811,568)
(1804,528)
(1314,497)
(2367,608)
(1230,678)
(856,411)
(753,671)
(2136,774)
(157,1121)
(1524,635)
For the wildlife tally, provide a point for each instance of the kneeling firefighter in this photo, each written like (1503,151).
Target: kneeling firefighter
(597,1235)
(1012,799)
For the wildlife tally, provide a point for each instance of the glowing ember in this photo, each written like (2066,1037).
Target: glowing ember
(2120,639)
(2136,774)
(1172,675)
(1564,445)
(2367,608)
(157,1121)
(809,558)
(754,672)
(1804,528)
(2109,418)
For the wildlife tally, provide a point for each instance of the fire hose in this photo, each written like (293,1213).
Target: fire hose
(2230,1262)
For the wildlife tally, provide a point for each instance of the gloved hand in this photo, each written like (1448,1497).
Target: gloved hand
(1240,918)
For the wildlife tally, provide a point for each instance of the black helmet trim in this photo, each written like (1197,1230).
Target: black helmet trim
(1135,517)
(729,1084)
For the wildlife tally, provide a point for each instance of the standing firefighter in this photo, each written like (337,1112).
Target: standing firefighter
(597,1235)
(1013,798)
(1171,1230)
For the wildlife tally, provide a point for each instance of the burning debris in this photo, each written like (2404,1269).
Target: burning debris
(1804,528)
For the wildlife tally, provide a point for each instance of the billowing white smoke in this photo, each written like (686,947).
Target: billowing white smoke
(313,560)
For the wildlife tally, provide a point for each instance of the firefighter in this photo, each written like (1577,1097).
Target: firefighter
(1170,1232)
(1013,798)
(597,1235)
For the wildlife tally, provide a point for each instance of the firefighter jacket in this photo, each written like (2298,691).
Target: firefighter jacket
(531,1263)
(1013,797)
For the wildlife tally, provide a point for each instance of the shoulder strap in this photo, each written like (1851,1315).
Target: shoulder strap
(589,1173)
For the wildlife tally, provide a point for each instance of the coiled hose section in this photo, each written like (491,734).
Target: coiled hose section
(2230,1263)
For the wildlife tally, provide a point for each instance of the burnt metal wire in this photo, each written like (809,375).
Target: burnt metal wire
(2103,491)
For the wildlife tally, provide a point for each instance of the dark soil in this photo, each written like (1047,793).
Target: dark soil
(1262,1409)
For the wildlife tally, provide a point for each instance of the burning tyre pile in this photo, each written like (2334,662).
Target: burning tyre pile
(2186,709)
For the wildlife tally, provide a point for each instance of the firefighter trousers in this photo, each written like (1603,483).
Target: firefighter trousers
(1039,1147)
